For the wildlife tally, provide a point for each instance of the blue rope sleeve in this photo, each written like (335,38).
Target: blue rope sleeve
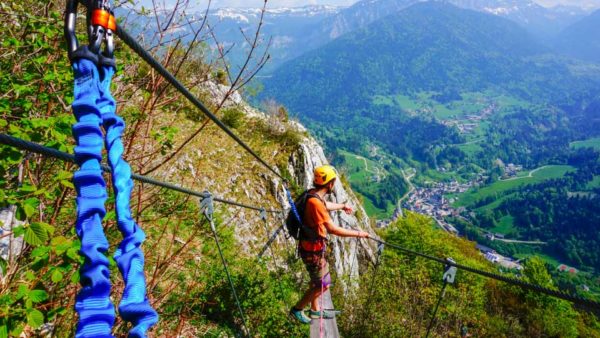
(96,312)
(134,306)
(293,205)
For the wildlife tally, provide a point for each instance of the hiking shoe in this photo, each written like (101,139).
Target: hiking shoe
(327,314)
(299,316)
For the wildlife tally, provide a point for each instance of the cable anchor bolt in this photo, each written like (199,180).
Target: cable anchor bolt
(207,207)
(449,271)
(263,214)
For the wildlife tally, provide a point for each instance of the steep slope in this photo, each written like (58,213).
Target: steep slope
(582,39)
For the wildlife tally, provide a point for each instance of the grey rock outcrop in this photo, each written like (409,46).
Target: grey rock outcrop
(10,246)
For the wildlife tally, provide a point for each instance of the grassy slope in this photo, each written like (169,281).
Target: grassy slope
(498,188)
(592,143)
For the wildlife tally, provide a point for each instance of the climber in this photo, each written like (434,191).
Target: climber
(312,251)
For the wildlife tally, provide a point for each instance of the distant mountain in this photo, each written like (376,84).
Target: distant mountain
(582,39)
(281,23)
(541,21)
(285,27)
(294,31)
(428,47)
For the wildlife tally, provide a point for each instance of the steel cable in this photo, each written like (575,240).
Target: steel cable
(51,152)
(513,281)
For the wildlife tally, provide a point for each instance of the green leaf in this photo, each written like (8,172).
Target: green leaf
(35,234)
(22,291)
(29,276)
(73,253)
(37,296)
(3,329)
(67,184)
(75,277)
(60,244)
(18,231)
(17,330)
(39,252)
(3,266)
(30,205)
(47,227)
(35,318)
(57,276)
(28,188)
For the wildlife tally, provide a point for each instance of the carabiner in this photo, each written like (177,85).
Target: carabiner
(69,29)
(101,25)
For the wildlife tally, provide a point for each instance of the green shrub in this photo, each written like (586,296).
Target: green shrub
(233,117)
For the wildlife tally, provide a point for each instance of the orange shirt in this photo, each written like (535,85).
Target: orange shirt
(315,217)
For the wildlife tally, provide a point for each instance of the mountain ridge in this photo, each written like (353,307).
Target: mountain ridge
(582,39)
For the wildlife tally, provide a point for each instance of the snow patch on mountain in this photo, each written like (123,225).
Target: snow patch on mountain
(247,15)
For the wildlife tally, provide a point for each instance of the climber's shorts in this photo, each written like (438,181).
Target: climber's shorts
(318,269)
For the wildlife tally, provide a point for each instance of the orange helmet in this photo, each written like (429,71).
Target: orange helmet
(324,174)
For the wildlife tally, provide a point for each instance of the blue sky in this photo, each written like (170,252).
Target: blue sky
(294,3)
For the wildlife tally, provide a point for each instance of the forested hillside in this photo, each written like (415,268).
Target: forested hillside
(396,295)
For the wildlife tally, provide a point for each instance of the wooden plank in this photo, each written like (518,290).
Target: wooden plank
(330,329)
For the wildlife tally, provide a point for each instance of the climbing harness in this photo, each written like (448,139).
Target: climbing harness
(448,278)
(94,107)
(207,209)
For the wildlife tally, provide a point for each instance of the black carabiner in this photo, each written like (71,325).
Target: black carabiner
(69,28)
(100,26)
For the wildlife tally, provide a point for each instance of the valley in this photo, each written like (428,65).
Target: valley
(496,129)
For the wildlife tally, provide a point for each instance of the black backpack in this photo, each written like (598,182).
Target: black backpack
(295,227)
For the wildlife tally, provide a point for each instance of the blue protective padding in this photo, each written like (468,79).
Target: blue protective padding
(134,306)
(96,312)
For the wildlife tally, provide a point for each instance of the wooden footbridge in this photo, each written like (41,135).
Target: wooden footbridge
(325,327)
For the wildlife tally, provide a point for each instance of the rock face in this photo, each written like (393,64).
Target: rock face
(347,253)
(10,247)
